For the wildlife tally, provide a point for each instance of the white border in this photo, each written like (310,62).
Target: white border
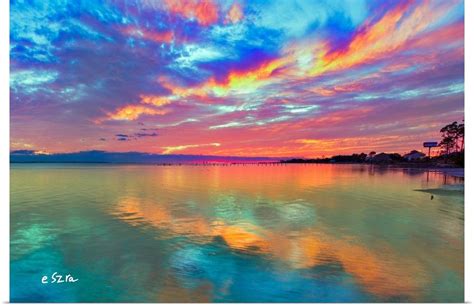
(4,150)
(468,115)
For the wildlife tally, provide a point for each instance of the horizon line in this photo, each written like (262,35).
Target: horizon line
(25,152)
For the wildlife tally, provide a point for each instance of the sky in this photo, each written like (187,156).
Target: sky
(287,78)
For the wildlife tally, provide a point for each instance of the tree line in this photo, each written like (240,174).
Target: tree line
(452,138)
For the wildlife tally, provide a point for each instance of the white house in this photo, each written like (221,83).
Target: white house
(414,155)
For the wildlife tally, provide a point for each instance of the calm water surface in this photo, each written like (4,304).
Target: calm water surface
(298,233)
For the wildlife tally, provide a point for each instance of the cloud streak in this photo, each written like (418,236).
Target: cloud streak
(169,150)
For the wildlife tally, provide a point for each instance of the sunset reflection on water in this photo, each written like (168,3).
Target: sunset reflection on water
(303,232)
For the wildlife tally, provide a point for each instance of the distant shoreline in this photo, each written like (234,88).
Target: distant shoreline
(449,170)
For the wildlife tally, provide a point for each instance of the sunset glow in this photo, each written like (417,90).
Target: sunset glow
(235,78)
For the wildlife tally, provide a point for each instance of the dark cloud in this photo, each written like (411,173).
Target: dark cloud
(135,136)
(146,134)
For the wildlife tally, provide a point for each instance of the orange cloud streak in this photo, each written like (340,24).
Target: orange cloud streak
(390,33)
(235,14)
(132,112)
(235,81)
(248,80)
(205,12)
(154,100)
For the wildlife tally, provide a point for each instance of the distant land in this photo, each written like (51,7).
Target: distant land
(413,159)
(95,156)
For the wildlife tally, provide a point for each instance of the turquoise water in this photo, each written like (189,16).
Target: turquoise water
(242,233)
